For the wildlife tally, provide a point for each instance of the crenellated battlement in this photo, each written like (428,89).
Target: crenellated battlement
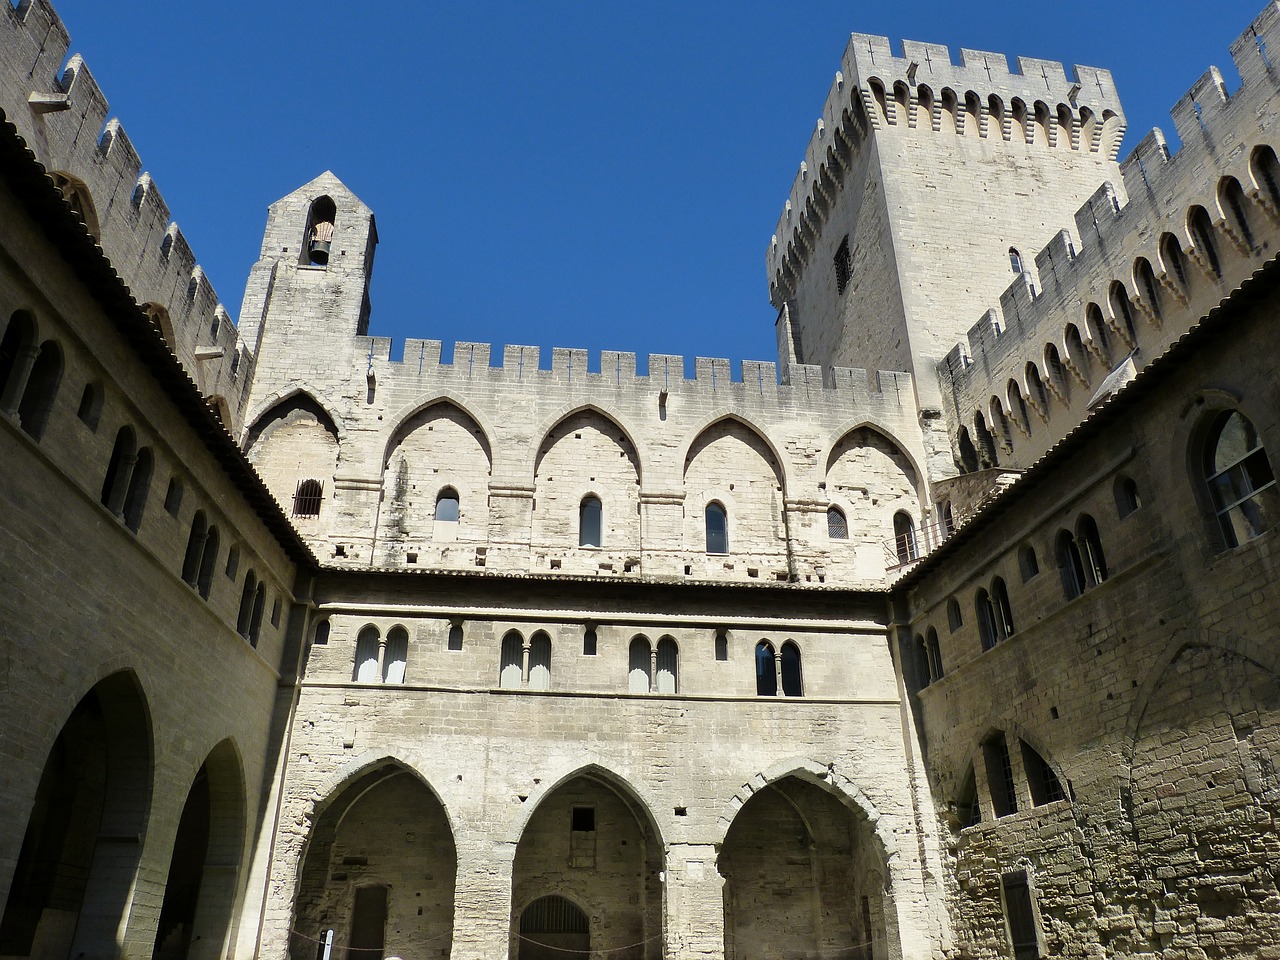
(62,113)
(1180,230)
(973,94)
(572,368)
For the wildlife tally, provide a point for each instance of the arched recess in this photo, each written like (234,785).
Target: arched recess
(585,453)
(807,869)
(163,323)
(877,478)
(74,879)
(592,840)
(200,890)
(1211,692)
(357,841)
(77,195)
(292,442)
(438,446)
(732,462)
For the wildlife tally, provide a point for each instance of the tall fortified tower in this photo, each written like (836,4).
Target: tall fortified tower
(924,186)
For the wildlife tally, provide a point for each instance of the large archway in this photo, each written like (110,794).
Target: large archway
(79,857)
(803,878)
(593,845)
(199,893)
(377,878)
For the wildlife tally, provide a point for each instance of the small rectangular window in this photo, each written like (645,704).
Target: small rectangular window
(582,819)
(844,266)
(275,613)
(173,497)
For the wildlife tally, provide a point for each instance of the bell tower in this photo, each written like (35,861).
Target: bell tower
(309,289)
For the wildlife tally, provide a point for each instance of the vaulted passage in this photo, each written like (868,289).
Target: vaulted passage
(378,875)
(802,879)
(587,876)
(199,895)
(79,856)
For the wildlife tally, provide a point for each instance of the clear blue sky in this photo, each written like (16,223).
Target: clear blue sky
(596,175)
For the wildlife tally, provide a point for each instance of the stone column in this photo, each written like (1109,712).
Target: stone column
(695,903)
(482,900)
(16,385)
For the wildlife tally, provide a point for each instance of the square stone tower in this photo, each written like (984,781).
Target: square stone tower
(928,187)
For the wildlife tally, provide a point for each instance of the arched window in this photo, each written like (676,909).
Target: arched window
(455,637)
(946,518)
(447,506)
(195,548)
(904,537)
(1044,783)
(307,497)
(1070,565)
(135,499)
(985,612)
(955,620)
(590,533)
(511,669)
(396,657)
(1266,173)
(1233,205)
(259,607)
(321,636)
(986,442)
(17,350)
(1239,476)
(717,528)
(1076,351)
(722,645)
(319,236)
(1004,795)
(639,663)
(1035,387)
(1146,277)
(922,662)
(792,677)
(244,619)
(366,663)
(1001,422)
(1000,607)
(540,662)
(1018,404)
(837,525)
(1201,228)
(766,670)
(1098,326)
(41,391)
(934,650)
(119,469)
(1028,563)
(1090,544)
(1056,371)
(1174,262)
(1126,494)
(208,561)
(668,676)
(1015,260)
(968,452)
(968,810)
(590,641)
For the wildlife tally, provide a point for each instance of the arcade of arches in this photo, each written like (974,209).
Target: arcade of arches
(801,875)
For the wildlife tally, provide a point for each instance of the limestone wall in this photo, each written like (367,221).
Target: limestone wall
(1151,695)
(1030,369)
(62,113)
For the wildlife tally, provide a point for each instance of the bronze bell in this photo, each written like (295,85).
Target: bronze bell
(319,252)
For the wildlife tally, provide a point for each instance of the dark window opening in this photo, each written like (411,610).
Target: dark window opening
(455,637)
(173,497)
(837,524)
(307,498)
(844,266)
(590,519)
(717,520)
(582,819)
(766,670)
(590,642)
(1044,783)
(722,645)
(1028,564)
(1004,797)
(792,680)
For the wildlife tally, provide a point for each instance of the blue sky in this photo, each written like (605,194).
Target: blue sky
(561,174)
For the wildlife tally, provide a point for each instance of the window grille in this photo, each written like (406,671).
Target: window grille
(307,498)
(837,524)
(844,266)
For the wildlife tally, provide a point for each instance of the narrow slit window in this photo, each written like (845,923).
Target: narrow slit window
(590,516)
(717,528)
(843,265)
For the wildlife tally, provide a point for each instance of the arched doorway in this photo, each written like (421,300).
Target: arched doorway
(803,878)
(79,856)
(588,865)
(199,893)
(553,928)
(377,877)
